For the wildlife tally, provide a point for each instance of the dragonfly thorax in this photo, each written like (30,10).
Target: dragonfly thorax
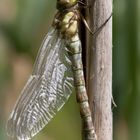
(67,23)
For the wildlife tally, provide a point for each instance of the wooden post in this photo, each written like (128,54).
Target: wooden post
(99,66)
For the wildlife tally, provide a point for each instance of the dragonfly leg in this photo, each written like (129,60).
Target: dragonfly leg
(86,24)
(83,4)
(100,28)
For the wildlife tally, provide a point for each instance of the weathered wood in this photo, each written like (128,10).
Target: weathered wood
(99,72)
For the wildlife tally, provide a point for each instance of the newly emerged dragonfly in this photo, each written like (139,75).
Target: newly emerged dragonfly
(57,71)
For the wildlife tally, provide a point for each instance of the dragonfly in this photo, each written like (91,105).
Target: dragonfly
(58,70)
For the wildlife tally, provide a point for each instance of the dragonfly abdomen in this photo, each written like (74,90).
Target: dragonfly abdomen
(75,50)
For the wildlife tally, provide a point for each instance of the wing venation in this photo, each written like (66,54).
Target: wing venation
(46,91)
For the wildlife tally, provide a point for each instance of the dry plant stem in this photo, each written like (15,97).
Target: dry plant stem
(99,64)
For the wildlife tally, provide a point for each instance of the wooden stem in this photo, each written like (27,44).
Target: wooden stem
(99,67)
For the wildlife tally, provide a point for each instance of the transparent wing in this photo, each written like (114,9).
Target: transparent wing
(46,91)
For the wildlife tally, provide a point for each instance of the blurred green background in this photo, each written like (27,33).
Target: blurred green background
(23,24)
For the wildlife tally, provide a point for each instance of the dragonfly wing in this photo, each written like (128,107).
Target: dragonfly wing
(46,91)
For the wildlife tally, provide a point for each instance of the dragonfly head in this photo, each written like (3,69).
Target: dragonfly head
(65,4)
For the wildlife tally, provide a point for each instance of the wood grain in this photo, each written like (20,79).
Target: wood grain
(99,67)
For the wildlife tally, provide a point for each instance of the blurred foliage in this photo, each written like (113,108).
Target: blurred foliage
(22,27)
(126,70)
